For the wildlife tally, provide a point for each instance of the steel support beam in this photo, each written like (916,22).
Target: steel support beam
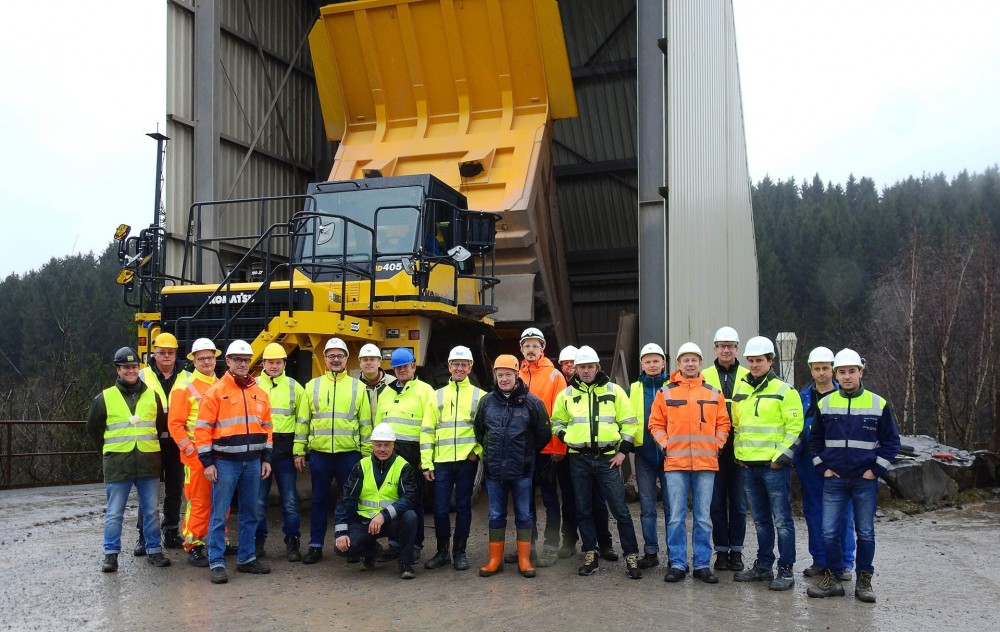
(206,129)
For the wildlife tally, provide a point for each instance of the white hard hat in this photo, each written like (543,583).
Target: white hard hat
(239,347)
(726,334)
(460,353)
(383,432)
(652,347)
(568,353)
(587,355)
(370,351)
(848,357)
(532,332)
(203,344)
(337,343)
(689,347)
(758,346)
(820,354)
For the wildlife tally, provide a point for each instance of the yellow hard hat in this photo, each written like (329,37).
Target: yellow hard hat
(165,341)
(274,351)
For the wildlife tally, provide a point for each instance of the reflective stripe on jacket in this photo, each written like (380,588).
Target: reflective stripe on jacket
(403,407)
(689,421)
(854,433)
(233,423)
(595,417)
(183,414)
(285,395)
(333,416)
(767,421)
(447,434)
(125,431)
(373,497)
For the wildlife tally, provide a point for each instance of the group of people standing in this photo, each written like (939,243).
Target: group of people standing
(727,436)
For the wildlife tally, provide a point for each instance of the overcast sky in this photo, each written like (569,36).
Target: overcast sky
(883,89)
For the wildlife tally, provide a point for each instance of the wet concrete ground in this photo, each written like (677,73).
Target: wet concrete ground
(938,568)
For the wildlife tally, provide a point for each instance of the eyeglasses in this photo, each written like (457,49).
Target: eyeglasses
(166,354)
(239,361)
(335,356)
(725,346)
(205,359)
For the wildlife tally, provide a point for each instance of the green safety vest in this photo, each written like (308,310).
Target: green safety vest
(148,376)
(404,411)
(125,431)
(284,394)
(333,416)
(638,402)
(711,375)
(594,417)
(767,420)
(447,434)
(373,498)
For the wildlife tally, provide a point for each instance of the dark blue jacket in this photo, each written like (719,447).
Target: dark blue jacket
(853,433)
(810,408)
(650,451)
(512,429)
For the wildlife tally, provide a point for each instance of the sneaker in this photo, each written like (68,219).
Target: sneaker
(258,550)
(722,560)
(219,575)
(172,539)
(567,550)
(158,560)
(548,557)
(590,563)
(197,557)
(460,561)
(231,549)
(828,586)
(706,575)
(256,567)
(608,553)
(674,575)
(292,553)
(755,573)
(140,547)
(441,558)
(632,566)
(649,560)
(313,555)
(813,571)
(863,590)
(845,575)
(368,563)
(735,561)
(391,552)
(110,564)
(783,579)
(406,571)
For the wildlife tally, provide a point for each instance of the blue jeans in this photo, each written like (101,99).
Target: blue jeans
(148,489)
(646,476)
(326,467)
(458,476)
(838,495)
(284,474)
(729,509)
(769,494)
(521,491)
(240,479)
(811,485)
(589,472)
(700,484)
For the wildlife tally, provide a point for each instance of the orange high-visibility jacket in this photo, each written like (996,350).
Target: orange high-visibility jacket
(545,382)
(689,420)
(233,423)
(183,413)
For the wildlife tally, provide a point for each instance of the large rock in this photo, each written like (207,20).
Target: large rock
(920,476)
(987,468)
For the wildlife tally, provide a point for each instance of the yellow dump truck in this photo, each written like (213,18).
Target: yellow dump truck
(437,222)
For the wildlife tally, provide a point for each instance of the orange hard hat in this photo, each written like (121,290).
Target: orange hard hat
(506,361)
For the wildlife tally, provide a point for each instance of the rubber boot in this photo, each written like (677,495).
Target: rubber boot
(495,563)
(524,553)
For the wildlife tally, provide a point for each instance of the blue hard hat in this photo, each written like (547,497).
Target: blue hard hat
(401,357)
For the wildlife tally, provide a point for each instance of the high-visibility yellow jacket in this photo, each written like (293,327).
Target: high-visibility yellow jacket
(151,378)
(402,407)
(712,378)
(333,416)
(126,431)
(447,434)
(595,417)
(285,394)
(374,497)
(767,421)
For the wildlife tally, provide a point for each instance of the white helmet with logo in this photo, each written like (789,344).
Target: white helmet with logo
(239,347)
(820,354)
(532,332)
(689,347)
(652,347)
(848,357)
(369,351)
(460,353)
(203,344)
(758,346)
(726,334)
(383,432)
(337,343)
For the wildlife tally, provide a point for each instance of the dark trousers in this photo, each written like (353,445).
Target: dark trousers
(326,467)
(594,471)
(598,508)
(729,508)
(457,477)
(410,451)
(402,529)
(173,479)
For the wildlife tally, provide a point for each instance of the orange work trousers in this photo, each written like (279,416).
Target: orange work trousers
(198,491)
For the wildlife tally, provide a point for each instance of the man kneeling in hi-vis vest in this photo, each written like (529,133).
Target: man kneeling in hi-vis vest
(379,500)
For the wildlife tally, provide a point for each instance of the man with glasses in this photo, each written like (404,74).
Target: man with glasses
(334,427)
(160,376)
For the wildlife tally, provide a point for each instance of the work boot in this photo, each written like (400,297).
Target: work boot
(231,549)
(255,567)
(110,564)
(845,575)
(549,556)
(258,550)
(313,555)
(608,553)
(390,553)
(784,579)
(460,561)
(140,547)
(568,549)
(736,561)
(590,563)
(828,586)
(172,539)
(353,559)
(863,590)
(632,566)
(722,560)
(813,571)
(495,563)
(219,575)
(755,573)
(368,563)
(441,558)
(158,560)
(649,560)
(197,557)
(292,553)
(674,575)
(706,575)
(406,571)
(524,558)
